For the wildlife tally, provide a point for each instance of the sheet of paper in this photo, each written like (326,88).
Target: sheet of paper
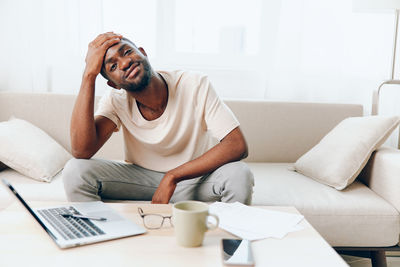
(254,223)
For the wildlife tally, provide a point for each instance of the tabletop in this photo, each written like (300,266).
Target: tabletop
(24,243)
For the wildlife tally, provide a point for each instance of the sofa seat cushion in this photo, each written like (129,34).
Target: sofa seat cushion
(31,190)
(338,216)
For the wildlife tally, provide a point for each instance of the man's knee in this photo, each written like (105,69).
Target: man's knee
(77,178)
(238,172)
(74,170)
(240,180)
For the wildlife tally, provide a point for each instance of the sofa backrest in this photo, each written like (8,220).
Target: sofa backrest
(275,131)
(284,131)
(52,113)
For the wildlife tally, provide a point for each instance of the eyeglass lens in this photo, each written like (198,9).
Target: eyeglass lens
(153,221)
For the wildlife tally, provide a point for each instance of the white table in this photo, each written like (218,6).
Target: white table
(24,243)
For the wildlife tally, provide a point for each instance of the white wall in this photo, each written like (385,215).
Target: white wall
(295,50)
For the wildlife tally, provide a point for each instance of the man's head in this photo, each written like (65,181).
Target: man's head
(126,66)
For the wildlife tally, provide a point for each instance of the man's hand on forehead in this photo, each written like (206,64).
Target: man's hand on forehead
(102,39)
(97,49)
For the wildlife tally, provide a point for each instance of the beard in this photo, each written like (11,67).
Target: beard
(143,81)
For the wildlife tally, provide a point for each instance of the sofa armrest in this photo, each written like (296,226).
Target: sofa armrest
(382,174)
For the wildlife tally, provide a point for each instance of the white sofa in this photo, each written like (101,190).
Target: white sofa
(364,216)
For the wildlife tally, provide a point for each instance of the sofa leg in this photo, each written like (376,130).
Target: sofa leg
(378,258)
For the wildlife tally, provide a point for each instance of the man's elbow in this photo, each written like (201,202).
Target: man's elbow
(82,154)
(244,151)
(237,145)
(241,150)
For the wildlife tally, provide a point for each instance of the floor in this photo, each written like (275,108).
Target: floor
(393,260)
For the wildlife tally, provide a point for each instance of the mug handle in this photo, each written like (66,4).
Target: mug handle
(211,226)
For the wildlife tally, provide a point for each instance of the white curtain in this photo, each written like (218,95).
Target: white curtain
(44,42)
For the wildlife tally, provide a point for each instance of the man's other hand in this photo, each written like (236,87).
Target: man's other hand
(165,190)
(96,51)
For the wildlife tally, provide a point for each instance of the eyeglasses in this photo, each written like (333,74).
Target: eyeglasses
(153,221)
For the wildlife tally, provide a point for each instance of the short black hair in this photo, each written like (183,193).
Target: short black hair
(102,71)
(128,41)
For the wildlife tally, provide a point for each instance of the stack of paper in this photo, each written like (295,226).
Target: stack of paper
(254,223)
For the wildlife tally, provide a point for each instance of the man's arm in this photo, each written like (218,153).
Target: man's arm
(88,134)
(232,148)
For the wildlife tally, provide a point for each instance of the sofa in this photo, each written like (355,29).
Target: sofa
(364,217)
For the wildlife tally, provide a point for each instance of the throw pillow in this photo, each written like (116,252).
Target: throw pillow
(30,151)
(340,156)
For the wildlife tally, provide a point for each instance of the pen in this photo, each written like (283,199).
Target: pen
(84,217)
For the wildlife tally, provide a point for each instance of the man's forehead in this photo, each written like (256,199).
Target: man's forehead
(115,49)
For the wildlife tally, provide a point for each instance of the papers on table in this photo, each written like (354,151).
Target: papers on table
(254,223)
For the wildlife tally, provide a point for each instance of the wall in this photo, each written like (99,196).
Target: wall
(290,50)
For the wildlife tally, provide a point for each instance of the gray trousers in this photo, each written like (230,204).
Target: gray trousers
(96,179)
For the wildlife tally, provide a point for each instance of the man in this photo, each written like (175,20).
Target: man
(169,120)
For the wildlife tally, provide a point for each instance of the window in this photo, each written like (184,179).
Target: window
(136,19)
(218,27)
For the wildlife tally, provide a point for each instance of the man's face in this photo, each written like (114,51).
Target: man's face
(127,66)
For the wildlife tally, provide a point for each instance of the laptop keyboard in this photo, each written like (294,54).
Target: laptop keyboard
(70,227)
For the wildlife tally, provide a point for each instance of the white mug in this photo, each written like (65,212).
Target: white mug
(190,222)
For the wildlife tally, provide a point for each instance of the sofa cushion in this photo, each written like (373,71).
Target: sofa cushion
(340,156)
(30,151)
(31,190)
(338,216)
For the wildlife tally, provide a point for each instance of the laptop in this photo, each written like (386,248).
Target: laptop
(80,223)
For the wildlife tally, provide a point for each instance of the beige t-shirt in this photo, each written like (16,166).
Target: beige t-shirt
(194,120)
